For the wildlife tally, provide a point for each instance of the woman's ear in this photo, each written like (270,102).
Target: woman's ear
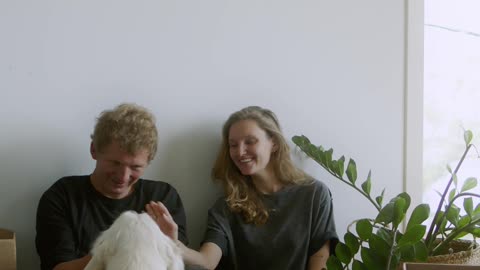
(274,147)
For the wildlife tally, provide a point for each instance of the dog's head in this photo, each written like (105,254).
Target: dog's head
(134,242)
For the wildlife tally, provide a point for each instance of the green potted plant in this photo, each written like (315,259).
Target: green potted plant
(382,243)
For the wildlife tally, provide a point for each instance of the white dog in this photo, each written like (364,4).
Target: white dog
(134,242)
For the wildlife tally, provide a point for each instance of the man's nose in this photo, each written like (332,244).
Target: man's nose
(124,173)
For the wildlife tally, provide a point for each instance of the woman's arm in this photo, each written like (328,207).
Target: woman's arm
(207,257)
(77,264)
(319,259)
(209,254)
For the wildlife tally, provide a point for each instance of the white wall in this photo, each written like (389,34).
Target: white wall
(332,70)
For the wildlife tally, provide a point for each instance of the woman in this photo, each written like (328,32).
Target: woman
(273,215)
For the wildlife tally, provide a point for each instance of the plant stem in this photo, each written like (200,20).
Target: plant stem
(431,232)
(359,190)
(454,234)
(312,156)
(391,250)
(458,196)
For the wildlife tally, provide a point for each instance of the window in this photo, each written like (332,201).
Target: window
(451,99)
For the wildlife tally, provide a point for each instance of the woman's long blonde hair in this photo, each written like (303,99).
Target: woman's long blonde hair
(241,195)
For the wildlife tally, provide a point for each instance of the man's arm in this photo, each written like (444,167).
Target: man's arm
(55,241)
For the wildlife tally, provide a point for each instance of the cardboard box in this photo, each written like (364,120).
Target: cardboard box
(8,250)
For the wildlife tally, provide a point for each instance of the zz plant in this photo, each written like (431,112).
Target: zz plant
(381,243)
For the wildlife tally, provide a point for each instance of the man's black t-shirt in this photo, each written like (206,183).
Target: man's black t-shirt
(71,214)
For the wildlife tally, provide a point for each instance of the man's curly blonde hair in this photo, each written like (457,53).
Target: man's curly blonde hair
(241,195)
(130,125)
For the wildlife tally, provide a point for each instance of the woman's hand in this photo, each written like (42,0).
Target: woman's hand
(164,220)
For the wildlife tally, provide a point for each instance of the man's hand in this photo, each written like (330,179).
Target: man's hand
(164,220)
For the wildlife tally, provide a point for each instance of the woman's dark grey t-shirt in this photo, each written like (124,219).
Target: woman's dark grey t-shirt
(300,222)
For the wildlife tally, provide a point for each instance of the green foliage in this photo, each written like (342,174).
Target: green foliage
(379,243)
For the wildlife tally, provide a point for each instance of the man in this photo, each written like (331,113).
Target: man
(76,209)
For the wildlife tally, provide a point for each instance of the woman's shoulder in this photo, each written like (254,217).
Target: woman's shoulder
(219,204)
(312,185)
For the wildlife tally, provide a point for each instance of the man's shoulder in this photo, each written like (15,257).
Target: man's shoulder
(73,182)
(157,189)
(154,184)
(65,190)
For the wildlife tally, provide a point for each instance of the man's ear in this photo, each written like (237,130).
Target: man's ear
(93,152)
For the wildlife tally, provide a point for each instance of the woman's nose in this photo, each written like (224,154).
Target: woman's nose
(242,149)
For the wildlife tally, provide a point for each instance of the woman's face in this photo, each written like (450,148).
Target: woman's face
(250,147)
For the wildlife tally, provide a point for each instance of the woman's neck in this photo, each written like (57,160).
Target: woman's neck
(267,183)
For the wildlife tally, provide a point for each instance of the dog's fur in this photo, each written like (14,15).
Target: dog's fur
(134,242)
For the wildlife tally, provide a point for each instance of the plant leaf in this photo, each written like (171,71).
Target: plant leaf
(343,253)
(452,194)
(421,251)
(352,171)
(367,185)
(464,221)
(386,213)
(352,242)
(328,158)
(468,136)
(413,235)
(468,206)
(371,261)
(334,167)
(386,235)
(453,215)
(470,183)
(407,253)
(333,263)
(419,215)
(341,166)
(380,246)
(407,198)
(475,232)
(449,169)
(358,265)
(379,199)
(364,229)
(476,212)
(399,211)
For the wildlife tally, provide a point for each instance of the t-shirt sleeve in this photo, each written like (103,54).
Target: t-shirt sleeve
(323,224)
(54,240)
(217,227)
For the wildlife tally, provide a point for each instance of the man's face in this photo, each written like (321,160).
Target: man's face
(116,170)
